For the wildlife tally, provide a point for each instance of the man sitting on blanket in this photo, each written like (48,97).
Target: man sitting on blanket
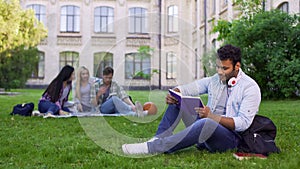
(112,98)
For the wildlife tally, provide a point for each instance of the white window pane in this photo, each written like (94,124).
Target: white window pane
(111,12)
(144,25)
(63,24)
(110,24)
(97,24)
(103,24)
(175,26)
(138,25)
(77,24)
(175,12)
(131,24)
(69,23)
(97,11)
(64,11)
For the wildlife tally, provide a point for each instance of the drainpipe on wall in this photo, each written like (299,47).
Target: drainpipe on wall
(205,26)
(159,44)
(205,30)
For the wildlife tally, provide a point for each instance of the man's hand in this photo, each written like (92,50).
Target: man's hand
(203,112)
(102,90)
(170,99)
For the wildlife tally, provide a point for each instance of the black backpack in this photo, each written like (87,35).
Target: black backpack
(24,109)
(259,138)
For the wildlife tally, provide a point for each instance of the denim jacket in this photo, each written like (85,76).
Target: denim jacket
(243,101)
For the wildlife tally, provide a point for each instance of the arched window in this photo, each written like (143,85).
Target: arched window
(39,68)
(171,65)
(137,67)
(137,20)
(173,18)
(70,19)
(102,60)
(40,12)
(68,58)
(284,7)
(104,19)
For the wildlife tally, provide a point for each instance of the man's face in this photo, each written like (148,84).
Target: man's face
(107,79)
(226,70)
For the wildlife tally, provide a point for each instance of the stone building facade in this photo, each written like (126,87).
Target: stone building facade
(99,33)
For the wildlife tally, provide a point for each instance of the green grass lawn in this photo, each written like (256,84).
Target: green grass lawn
(95,142)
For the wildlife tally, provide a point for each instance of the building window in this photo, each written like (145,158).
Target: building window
(171,65)
(137,67)
(173,18)
(102,60)
(40,12)
(284,7)
(68,58)
(70,19)
(137,20)
(104,19)
(39,68)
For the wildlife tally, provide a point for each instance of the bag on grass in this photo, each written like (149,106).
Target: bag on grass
(24,109)
(259,138)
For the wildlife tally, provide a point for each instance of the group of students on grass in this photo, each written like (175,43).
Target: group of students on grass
(90,94)
(233,102)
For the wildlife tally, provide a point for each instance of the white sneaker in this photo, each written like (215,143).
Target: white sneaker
(138,148)
(152,139)
(36,113)
(139,109)
(48,115)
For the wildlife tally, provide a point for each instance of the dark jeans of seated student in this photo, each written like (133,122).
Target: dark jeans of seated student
(115,105)
(45,106)
(199,131)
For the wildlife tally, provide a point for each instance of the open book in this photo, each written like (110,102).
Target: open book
(187,103)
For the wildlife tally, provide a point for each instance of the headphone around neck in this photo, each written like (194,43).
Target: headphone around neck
(233,81)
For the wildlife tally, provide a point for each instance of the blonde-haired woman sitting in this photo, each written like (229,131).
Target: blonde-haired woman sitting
(83,86)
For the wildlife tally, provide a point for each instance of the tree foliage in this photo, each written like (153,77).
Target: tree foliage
(15,70)
(270,42)
(18,27)
(20,32)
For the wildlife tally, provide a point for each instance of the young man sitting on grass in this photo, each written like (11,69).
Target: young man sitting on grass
(233,101)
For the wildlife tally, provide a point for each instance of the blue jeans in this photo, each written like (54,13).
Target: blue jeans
(203,131)
(46,106)
(115,105)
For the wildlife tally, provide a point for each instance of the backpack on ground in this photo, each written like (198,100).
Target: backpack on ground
(24,109)
(259,138)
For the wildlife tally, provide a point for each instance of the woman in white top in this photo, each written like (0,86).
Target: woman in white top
(83,90)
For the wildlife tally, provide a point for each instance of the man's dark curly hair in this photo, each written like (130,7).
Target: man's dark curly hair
(230,52)
(108,70)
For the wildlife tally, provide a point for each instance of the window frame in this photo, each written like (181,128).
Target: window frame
(173,21)
(171,64)
(70,19)
(39,12)
(102,59)
(138,20)
(137,64)
(39,68)
(284,7)
(74,61)
(105,19)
